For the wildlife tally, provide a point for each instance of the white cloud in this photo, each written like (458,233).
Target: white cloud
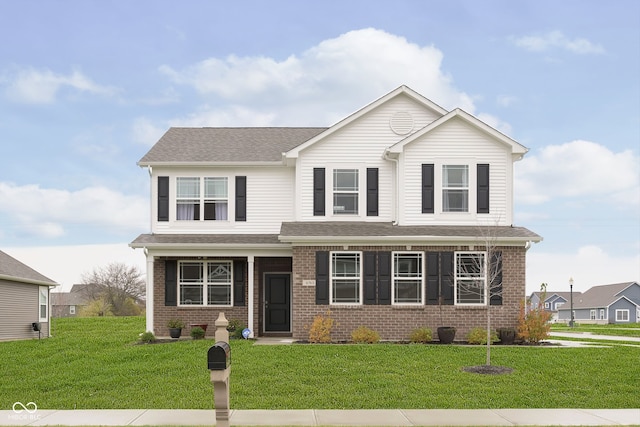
(576,169)
(588,266)
(43,212)
(505,100)
(320,86)
(31,86)
(556,39)
(66,264)
(145,132)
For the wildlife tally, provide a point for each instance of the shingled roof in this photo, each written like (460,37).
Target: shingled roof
(600,296)
(226,145)
(12,269)
(296,231)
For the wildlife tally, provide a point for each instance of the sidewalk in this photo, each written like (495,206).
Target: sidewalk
(312,417)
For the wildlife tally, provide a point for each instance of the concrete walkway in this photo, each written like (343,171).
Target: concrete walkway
(589,335)
(311,417)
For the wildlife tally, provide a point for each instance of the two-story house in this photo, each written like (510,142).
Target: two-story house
(552,301)
(381,218)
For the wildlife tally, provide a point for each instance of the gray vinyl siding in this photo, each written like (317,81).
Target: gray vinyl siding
(19,306)
(622,304)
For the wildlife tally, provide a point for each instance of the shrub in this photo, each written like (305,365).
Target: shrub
(421,335)
(147,337)
(175,324)
(479,336)
(96,308)
(364,335)
(534,326)
(197,333)
(320,329)
(235,328)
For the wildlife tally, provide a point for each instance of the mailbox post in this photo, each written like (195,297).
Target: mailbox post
(219,363)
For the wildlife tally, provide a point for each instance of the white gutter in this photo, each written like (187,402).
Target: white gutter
(396,206)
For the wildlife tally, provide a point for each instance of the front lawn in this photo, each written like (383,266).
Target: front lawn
(93,363)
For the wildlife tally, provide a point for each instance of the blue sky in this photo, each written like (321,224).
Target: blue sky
(86,87)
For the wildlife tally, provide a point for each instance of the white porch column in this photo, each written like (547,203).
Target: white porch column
(250,302)
(149,308)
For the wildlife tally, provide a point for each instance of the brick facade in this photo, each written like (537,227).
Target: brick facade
(392,322)
(396,322)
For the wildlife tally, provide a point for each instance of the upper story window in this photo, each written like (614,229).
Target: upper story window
(471,278)
(189,200)
(205,283)
(345,191)
(407,278)
(346,278)
(455,188)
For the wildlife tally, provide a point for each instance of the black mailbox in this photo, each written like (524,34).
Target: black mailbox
(36,326)
(219,356)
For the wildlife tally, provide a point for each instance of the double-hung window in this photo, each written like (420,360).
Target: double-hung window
(345,191)
(471,278)
(592,314)
(346,278)
(205,283)
(189,200)
(407,278)
(455,188)
(216,199)
(43,305)
(622,315)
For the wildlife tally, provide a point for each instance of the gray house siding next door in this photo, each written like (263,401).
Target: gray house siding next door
(19,308)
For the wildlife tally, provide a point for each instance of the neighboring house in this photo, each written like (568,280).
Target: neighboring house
(376,219)
(552,301)
(69,304)
(24,300)
(617,303)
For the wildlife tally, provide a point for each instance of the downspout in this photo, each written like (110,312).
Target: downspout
(397,185)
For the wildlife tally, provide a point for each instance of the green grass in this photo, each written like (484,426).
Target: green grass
(94,363)
(622,330)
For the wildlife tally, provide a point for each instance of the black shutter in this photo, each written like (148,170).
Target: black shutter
(372,191)
(163,198)
(171,283)
(369,277)
(428,191)
(322,278)
(241,198)
(384,278)
(495,271)
(446,277)
(433,277)
(318,192)
(239,268)
(483,188)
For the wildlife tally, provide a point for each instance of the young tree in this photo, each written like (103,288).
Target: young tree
(478,276)
(118,285)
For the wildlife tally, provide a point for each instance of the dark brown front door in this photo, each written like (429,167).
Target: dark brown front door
(277,302)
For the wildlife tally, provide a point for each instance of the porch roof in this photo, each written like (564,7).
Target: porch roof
(348,231)
(204,240)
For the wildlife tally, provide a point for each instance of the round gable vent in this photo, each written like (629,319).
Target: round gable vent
(401,123)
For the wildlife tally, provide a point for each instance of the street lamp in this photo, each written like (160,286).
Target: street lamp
(571,298)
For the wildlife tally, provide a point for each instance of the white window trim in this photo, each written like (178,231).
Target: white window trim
(621,311)
(603,314)
(439,181)
(173,208)
(455,282)
(205,283)
(362,192)
(44,318)
(592,314)
(393,278)
(360,287)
